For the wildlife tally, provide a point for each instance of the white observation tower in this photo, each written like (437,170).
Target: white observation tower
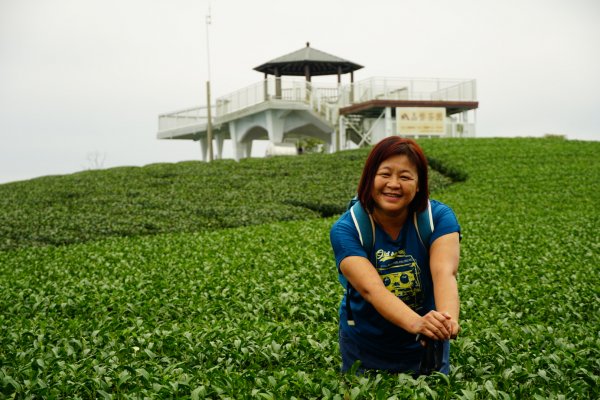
(285,110)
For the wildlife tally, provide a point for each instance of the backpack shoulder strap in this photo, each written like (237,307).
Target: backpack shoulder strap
(424,224)
(364,225)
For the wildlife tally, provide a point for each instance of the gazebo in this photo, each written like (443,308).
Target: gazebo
(307,62)
(287,110)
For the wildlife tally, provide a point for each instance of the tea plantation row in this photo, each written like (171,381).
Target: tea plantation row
(184,197)
(252,312)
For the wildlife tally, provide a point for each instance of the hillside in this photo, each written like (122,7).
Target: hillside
(251,312)
(182,197)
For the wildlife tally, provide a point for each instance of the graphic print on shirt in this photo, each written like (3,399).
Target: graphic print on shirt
(401,275)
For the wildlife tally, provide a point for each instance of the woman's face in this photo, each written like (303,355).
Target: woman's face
(396,185)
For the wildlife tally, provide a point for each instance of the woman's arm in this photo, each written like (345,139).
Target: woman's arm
(444,256)
(364,278)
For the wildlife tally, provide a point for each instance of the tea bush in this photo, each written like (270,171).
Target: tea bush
(251,312)
(183,197)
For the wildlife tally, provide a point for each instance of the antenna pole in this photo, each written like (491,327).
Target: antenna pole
(209,133)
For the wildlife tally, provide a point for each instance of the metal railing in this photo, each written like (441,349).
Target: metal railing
(325,99)
(182,118)
(408,89)
(269,90)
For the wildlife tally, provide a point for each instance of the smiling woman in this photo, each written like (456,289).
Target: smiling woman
(380,161)
(394,188)
(399,289)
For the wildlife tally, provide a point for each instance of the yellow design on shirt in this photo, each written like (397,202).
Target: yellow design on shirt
(400,274)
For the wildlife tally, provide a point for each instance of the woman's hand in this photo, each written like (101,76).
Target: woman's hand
(364,278)
(436,325)
(455,327)
(443,261)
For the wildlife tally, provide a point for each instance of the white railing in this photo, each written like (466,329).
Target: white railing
(408,89)
(242,98)
(462,91)
(325,99)
(182,118)
(266,90)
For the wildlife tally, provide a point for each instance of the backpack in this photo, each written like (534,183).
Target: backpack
(365,226)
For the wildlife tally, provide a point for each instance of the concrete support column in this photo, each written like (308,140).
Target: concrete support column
(219,139)
(248,148)
(274,126)
(342,132)
(238,148)
(468,125)
(335,142)
(328,146)
(203,148)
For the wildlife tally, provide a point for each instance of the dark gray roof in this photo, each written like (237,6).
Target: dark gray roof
(319,62)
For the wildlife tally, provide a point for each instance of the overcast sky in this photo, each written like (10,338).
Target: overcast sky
(82,82)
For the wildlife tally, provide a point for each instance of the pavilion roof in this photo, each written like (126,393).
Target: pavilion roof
(319,63)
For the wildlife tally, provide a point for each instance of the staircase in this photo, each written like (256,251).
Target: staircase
(355,129)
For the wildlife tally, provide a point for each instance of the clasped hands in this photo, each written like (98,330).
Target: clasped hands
(437,325)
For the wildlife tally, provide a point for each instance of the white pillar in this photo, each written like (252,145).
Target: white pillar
(342,128)
(274,126)
(248,148)
(219,139)
(238,148)
(203,148)
(333,142)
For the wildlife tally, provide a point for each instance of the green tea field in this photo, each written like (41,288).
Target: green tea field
(217,281)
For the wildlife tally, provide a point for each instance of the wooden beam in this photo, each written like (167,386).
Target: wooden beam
(380,104)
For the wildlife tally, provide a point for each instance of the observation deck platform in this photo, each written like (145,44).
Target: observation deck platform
(341,116)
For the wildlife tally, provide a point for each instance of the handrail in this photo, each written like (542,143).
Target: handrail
(408,89)
(181,118)
(324,99)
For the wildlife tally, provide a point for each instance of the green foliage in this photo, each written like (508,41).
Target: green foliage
(311,145)
(529,281)
(251,312)
(229,311)
(454,174)
(160,198)
(183,197)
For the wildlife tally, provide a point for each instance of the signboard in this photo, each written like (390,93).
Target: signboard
(421,120)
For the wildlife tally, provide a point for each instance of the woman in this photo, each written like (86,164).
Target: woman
(403,289)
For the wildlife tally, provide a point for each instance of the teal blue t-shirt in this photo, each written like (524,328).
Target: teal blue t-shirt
(403,265)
